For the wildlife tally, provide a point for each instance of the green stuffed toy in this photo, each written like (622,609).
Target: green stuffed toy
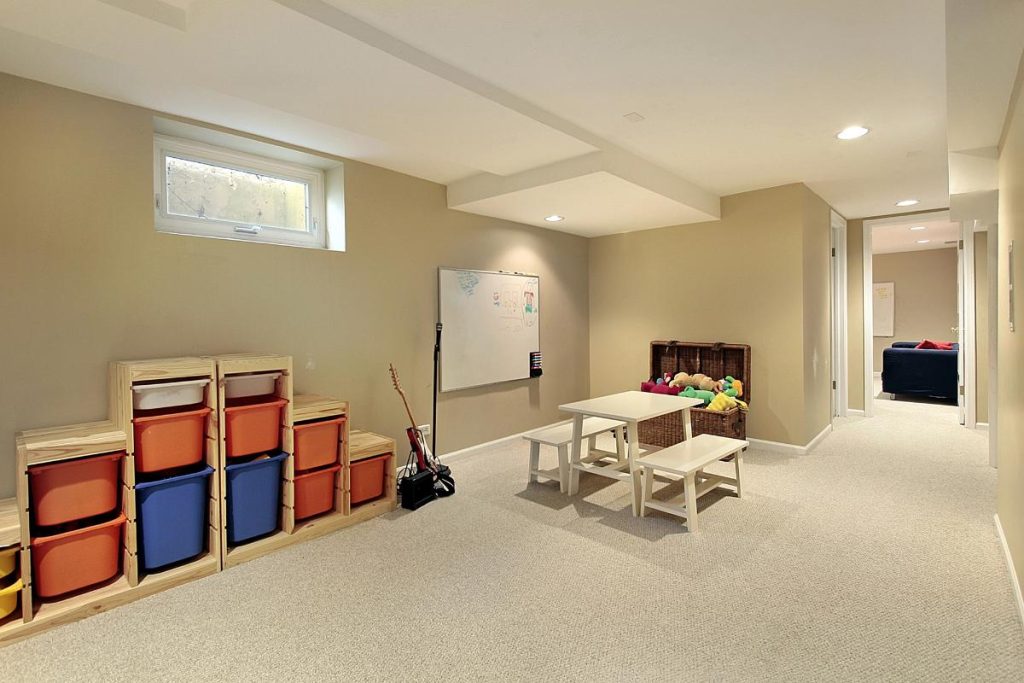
(706,396)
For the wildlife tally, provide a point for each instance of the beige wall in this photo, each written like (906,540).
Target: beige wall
(855,311)
(925,290)
(817,245)
(1010,427)
(94,282)
(654,285)
(981,338)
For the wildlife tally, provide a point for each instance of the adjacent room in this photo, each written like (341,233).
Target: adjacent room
(357,340)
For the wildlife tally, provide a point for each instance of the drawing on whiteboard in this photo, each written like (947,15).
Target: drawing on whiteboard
(510,311)
(530,307)
(497,299)
(468,281)
(527,301)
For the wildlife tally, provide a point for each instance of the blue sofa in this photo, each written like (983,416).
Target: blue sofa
(925,372)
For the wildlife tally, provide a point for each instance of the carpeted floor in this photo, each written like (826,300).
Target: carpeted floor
(874,558)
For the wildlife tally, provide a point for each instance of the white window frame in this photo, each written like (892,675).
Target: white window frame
(315,235)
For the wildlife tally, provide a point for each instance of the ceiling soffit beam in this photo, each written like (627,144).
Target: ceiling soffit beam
(643,174)
(154,10)
(655,178)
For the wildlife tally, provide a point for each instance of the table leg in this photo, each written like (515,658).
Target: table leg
(738,459)
(577,445)
(534,461)
(691,502)
(620,444)
(687,425)
(648,490)
(591,443)
(563,468)
(634,471)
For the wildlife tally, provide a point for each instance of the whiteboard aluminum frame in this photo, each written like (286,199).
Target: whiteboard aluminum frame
(439,322)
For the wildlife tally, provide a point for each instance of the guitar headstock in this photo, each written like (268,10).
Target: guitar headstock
(394,378)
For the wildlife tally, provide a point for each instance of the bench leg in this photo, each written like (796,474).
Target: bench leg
(738,459)
(648,490)
(634,470)
(534,461)
(620,444)
(691,502)
(563,468)
(591,443)
(577,439)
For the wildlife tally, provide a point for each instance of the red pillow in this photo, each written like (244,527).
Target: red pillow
(929,344)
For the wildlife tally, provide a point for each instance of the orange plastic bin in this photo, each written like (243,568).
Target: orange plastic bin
(169,439)
(316,443)
(76,559)
(253,426)
(314,492)
(367,479)
(74,489)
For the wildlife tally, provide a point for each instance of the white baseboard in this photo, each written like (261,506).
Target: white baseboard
(1013,573)
(790,448)
(857,412)
(496,442)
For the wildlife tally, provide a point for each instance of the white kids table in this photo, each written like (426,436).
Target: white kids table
(630,407)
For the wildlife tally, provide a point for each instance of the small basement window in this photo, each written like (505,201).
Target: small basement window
(211,191)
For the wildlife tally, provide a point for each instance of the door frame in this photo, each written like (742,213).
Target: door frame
(966,292)
(840,317)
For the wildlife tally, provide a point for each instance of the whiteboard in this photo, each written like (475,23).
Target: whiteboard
(883,308)
(489,326)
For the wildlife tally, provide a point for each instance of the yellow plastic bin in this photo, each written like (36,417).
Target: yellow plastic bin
(8,561)
(9,598)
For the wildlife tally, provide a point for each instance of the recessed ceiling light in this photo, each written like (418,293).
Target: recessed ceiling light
(852,132)
(554,218)
(906,202)
(919,227)
(923,241)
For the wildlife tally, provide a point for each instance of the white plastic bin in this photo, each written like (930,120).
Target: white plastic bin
(168,394)
(240,386)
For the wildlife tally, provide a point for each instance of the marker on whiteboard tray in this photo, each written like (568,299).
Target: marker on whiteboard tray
(535,364)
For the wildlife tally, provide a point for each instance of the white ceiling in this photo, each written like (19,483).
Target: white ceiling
(896,237)
(736,95)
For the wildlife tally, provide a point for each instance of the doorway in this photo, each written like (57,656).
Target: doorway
(919,284)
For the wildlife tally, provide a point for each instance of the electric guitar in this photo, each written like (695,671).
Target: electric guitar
(424,458)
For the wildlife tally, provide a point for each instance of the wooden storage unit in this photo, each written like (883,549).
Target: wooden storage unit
(713,359)
(123,376)
(310,407)
(10,538)
(243,364)
(363,445)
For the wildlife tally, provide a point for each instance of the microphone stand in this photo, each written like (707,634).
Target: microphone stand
(437,361)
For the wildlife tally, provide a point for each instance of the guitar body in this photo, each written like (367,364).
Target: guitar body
(419,445)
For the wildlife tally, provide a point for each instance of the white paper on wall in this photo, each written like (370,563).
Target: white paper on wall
(883,308)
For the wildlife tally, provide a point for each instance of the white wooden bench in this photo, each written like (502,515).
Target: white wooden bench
(688,460)
(560,436)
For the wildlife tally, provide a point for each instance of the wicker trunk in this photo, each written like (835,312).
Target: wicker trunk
(713,359)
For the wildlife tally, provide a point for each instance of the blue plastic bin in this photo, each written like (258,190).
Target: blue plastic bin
(254,498)
(172,516)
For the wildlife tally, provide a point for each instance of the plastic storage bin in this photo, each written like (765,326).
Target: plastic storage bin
(254,498)
(169,439)
(74,489)
(367,479)
(240,386)
(9,598)
(314,492)
(168,394)
(8,561)
(76,559)
(172,517)
(253,427)
(316,443)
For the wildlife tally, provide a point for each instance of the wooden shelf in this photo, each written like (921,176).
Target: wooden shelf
(364,445)
(10,523)
(314,407)
(53,444)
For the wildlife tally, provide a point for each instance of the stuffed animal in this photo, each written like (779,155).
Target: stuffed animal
(724,402)
(706,396)
(655,388)
(730,386)
(680,380)
(703,382)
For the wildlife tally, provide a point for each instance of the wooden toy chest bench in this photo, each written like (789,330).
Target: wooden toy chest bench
(713,359)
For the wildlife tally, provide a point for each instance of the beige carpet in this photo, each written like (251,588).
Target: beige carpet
(875,558)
